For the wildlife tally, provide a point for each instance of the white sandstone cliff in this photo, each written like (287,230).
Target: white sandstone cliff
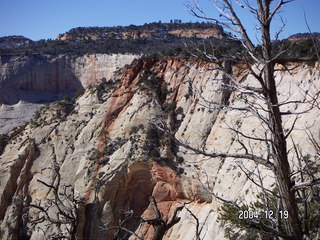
(34,80)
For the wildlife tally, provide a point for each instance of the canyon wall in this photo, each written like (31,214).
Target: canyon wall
(39,78)
(107,149)
(28,82)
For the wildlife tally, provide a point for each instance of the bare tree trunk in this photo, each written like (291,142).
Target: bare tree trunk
(282,167)
(281,163)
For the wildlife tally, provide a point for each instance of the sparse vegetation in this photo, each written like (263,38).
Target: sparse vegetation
(3,142)
(112,146)
(154,83)
(152,143)
(79,93)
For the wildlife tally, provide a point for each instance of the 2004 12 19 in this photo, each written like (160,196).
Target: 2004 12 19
(268,214)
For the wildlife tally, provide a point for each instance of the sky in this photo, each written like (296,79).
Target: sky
(45,19)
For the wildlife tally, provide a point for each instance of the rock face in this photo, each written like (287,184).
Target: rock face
(198,33)
(12,116)
(38,79)
(23,76)
(104,148)
(91,68)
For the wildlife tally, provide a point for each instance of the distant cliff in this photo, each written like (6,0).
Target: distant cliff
(33,78)
(304,36)
(29,81)
(151,30)
(165,38)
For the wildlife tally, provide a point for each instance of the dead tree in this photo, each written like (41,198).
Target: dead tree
(260,100)
(159,225)
(60,209)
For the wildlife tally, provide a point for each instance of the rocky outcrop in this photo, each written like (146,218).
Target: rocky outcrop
(106,149)
(14,41)
(198,33)
(160,34)
(147,31)
(304,36)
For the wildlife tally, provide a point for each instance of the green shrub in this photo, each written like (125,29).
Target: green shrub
(79,93)
(3,142)
(66,98)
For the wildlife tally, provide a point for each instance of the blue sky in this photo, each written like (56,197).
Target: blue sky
(43,19)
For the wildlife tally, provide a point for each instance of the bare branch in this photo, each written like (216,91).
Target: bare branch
(126,230)
(252,157)
(306,184)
